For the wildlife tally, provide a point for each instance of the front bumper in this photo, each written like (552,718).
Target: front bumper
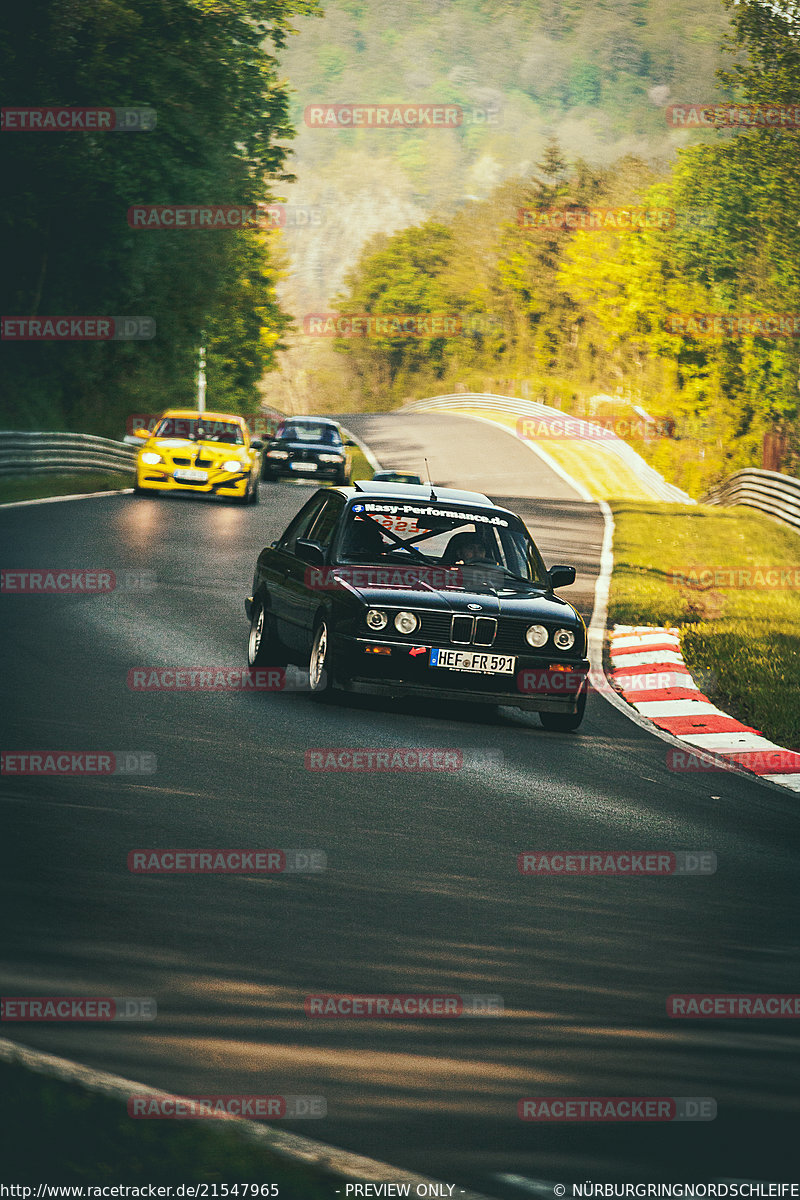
(222,483)
(284,471)
(540,684)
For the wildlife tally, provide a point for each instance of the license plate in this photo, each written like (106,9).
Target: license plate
(474,660)
(192,476)
(303,466)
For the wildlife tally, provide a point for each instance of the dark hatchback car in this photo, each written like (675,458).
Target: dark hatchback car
(406,590)
(307,448)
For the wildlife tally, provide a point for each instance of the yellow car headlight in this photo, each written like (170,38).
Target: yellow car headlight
(233,464)
(150,459)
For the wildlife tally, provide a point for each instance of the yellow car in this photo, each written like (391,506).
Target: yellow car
(208,453)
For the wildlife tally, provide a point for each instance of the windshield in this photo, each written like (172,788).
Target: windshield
(296,431)
(227,433)
(477,546)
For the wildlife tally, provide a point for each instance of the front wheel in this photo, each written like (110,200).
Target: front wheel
(320,677)
(262,645)
(564,722)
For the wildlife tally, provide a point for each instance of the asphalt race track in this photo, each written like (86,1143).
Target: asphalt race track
(422,891)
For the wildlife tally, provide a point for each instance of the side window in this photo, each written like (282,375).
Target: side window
(301,524)
(324,527)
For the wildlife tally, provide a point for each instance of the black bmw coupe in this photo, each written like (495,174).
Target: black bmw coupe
(409,590)
(307,448)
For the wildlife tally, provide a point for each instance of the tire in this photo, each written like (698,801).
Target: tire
(343,478)
(564,722)
(320,673)
(247,498)
(262,645)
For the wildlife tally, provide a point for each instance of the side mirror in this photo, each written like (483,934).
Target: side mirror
(310,552)
(257,444)
(560,577)
(141,432)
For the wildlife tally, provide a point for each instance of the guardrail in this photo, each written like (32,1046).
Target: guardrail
(23,453)
(772,493)
(580,430)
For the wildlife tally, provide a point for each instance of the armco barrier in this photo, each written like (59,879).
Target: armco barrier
(584,431)
(769,491)
(24,453)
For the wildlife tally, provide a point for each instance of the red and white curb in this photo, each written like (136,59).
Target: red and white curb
(647,668)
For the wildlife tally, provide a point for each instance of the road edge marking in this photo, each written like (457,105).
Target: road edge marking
(58,499)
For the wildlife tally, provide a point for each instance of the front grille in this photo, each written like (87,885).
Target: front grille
(461,631)
(182,462)
(485,630)
(505,636)
(204,462)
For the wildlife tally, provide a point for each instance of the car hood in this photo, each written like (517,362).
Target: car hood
(499,600)
(182,445)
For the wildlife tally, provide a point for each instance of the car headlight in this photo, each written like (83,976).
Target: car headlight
(232,464)
(564,639)
(150,459)
(536,635)
(277,454)
(405,622)
(376,619)
(330,458)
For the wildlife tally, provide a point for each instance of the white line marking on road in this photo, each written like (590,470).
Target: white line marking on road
(58,499)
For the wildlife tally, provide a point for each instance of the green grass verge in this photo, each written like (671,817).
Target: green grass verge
(361,468)
(747,637)
(37,487)
(55,1132)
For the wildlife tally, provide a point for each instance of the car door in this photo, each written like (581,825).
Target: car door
(280,573)
(305,585)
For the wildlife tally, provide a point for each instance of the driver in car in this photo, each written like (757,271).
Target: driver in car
(364,541)
(464,548)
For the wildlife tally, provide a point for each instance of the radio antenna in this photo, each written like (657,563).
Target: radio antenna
(433,495)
